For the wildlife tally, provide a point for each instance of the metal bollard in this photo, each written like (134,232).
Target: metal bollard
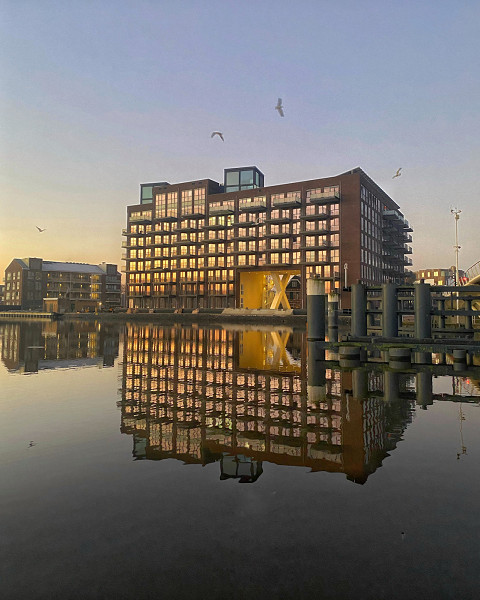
(333,317)
(422,306)
(389,310)
(359,310)
(390,386)
(459,359)
(399,358)
(316,377)
(349,356)
(315,309)
(423,384)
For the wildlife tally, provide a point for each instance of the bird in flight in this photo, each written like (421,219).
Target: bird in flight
(397,174)
(39,229)
(219,133)
(32,443)
(279,107)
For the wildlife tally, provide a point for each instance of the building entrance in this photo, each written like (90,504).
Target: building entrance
(265,289)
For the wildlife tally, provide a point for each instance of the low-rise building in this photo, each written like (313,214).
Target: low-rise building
(440,276)
(28,281)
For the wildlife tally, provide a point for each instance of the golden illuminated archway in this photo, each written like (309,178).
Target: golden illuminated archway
(265,289)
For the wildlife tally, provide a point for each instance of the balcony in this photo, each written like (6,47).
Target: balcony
(278,220)
(166,218)
(184,228)
(252,221)
(225,209)
(292,201)
(255,205)
(319,216)
(398,218)
(322,246)
(145,218)
(316,231)
(278,235)
(324,197)
(217,226)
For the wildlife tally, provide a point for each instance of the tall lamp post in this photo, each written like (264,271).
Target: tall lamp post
(456,212)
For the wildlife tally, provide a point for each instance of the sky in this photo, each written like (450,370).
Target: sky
(97,97)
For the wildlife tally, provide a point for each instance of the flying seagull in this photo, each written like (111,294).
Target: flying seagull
(219,133)
(397,174)
(32,443)
(279,107)
(40,230)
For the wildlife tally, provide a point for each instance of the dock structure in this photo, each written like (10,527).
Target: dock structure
(400,325)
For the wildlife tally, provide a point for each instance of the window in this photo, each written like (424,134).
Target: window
(246,178)
(232,178)
(146,195)
(187,206)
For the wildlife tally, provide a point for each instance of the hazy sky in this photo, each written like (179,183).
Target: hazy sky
(99,96)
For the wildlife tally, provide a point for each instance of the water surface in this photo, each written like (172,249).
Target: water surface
(141,461)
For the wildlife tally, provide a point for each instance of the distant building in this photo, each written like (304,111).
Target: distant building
(440,276)
(2,293)
(29,280)
(201,244)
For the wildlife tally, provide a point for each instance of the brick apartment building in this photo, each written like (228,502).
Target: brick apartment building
(29,280)
(200,244)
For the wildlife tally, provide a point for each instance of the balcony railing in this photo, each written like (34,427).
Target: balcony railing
(255,204)
(221,209)
(289,201)
(324,197)
(145,218)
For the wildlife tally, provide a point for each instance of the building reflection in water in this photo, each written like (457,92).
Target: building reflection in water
(243,397)
(30,347)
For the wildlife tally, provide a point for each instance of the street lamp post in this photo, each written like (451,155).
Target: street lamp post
(456,213)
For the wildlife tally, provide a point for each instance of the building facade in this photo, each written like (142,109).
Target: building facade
(441,276)
(200,244)
(28,281)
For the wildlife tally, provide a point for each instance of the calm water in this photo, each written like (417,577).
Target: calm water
(149,462)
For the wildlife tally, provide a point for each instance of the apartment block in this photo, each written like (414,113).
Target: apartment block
(29,280)
(202,244)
